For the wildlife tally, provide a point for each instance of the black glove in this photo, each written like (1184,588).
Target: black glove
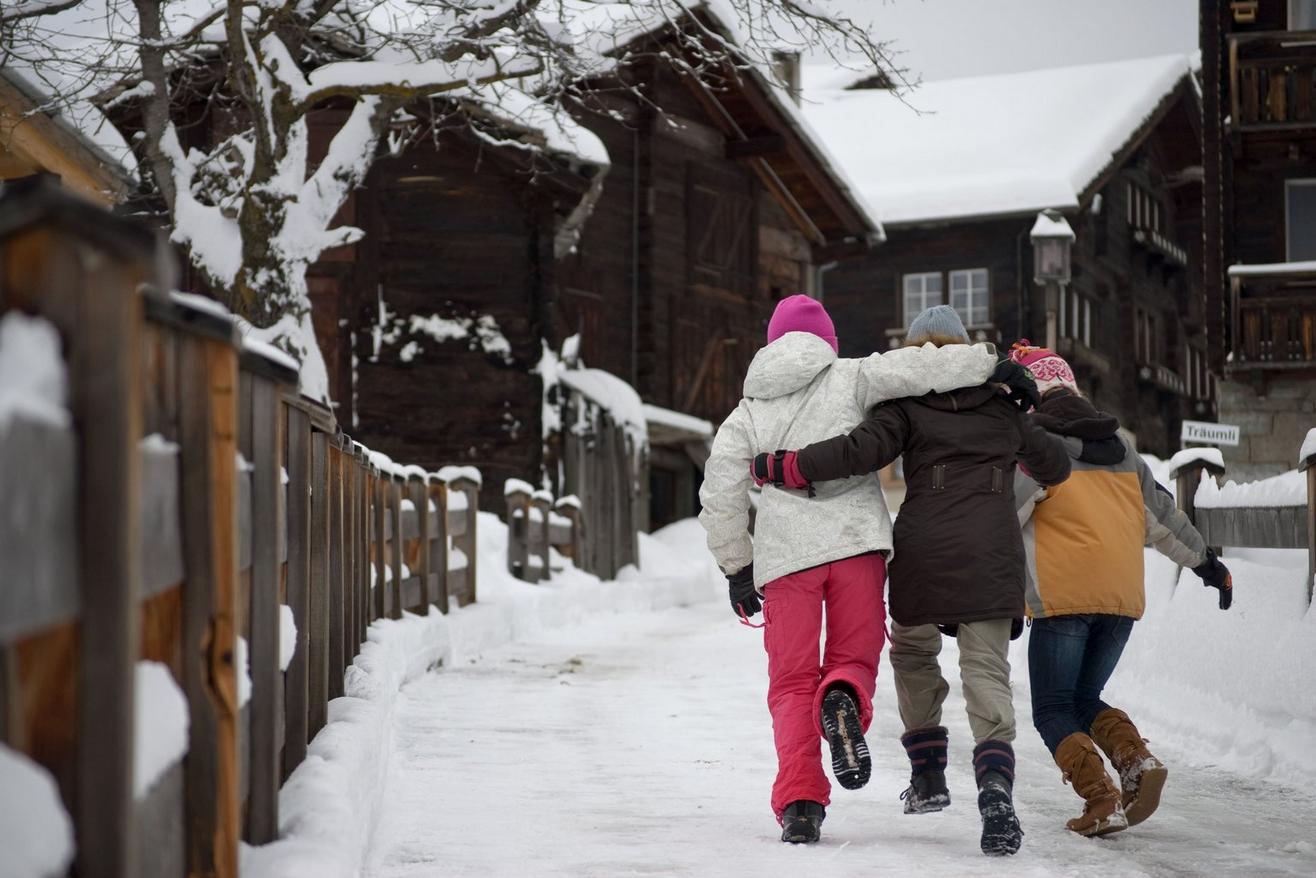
(1023,389)
(1216,575)
(743,596)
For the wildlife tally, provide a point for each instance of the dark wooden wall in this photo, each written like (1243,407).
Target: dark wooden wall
(684,258)
(449,232)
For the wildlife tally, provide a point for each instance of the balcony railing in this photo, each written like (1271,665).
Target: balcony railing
(1273,317)
(1162,377)
(1272,80)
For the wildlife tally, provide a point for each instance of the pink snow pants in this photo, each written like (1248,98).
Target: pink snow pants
(856,629)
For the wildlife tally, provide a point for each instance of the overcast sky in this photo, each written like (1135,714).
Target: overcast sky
(943,39)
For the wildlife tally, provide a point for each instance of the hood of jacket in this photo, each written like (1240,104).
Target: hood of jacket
(1068,414)
(960,400)
(787,365)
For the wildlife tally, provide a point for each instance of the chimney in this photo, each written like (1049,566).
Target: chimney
(786,67)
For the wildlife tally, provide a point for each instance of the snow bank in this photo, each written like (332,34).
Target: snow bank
(36,834)
(32,379)
(161,718)
(1285,489)
(1231,688)
(329,807)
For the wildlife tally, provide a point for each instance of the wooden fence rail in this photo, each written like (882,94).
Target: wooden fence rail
(189,505)
(1258,527)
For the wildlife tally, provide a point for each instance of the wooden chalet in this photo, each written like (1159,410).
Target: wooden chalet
(1259,159)
(1115,147)
(34,142)
(720,202)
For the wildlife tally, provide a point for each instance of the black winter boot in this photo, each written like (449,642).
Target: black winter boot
(801,822)
(927,760)
(993,764)
(851,762)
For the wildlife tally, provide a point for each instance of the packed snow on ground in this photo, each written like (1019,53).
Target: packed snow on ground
(32,375)
(161,719)
(642,745)
(36,834)
(332,802)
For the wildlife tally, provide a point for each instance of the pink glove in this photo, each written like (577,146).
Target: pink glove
(781,469)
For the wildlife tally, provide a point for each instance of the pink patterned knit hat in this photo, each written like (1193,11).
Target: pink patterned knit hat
(1049,369)
(801,314)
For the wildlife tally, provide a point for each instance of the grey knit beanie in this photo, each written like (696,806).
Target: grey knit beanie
(939,321)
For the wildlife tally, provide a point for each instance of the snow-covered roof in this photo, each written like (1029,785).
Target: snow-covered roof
(602,30)
(990,145)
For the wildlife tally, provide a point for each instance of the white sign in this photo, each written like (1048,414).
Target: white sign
(1215,434)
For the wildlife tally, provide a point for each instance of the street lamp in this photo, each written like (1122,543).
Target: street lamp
(1052,240)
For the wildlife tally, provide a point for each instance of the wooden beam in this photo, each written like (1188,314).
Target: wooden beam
(770,144)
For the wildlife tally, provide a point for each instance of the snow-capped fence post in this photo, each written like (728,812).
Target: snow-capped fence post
(361,477)
(317,686)
(418,490)
(466,482)
(541,509)
(569,508)
(437,493)
(394,488)
(298,588)
(518,495)
(266,379)
(377,535)
(1307,465)
(1186,469)
(334,590)
(79,269)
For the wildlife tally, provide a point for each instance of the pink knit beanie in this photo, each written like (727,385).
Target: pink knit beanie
(1049,368)
(802,314)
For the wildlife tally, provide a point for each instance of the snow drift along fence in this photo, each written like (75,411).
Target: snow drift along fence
(183,508)
(1259,527)
(536,523)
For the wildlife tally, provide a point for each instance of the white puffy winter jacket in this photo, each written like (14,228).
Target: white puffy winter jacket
(798,391)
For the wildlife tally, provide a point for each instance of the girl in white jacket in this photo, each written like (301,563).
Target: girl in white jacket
(806,552)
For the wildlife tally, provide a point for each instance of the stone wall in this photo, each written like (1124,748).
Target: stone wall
(1272,426)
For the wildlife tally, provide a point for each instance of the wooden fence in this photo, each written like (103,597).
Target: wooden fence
(537,523)
(191,494)
(1259,527)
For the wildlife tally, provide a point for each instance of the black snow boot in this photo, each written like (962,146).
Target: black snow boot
(845,735)
(927,761)
(801,822)
(993,764)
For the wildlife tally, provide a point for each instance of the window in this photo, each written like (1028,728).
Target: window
(1302,14)
(1300,219)
(1148,343)
(1075,317)
(921,291)
(970,297)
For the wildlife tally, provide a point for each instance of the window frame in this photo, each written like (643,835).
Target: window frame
(986,304)
(923,293)
(1289,184)
(1289,11)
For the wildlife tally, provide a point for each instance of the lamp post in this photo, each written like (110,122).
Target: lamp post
(1052,240)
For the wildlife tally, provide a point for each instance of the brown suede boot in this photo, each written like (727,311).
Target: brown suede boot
(1142,775)
(1082,766)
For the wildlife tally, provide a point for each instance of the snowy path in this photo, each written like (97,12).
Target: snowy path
(640,745)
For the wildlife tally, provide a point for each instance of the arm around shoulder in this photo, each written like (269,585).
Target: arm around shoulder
(915,371)
(872,445)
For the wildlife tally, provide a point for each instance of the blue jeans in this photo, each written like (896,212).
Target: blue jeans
(1070,658)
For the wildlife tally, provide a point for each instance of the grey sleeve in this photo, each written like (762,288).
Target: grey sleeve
(1168,530)
(725,493)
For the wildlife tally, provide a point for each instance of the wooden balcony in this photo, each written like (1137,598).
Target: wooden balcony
(1272,79)
(1272,317)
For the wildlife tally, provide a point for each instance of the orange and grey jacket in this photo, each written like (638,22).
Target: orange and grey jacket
(1083,539)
